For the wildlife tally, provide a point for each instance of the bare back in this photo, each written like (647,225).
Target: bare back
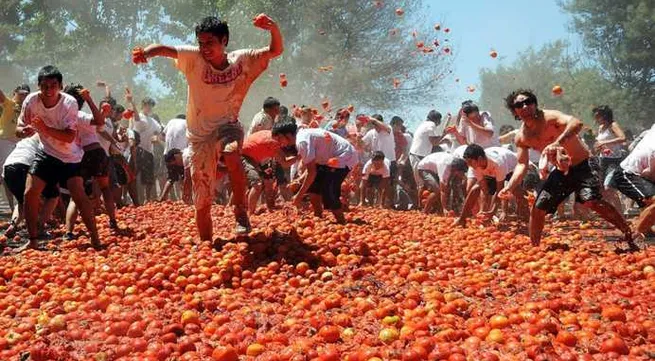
(546,131)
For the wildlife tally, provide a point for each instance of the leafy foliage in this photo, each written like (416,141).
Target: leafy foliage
(91,40)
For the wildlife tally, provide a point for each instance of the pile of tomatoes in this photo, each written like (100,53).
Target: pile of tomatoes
(385,286)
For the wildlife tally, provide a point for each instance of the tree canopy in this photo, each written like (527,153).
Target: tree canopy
(359,52)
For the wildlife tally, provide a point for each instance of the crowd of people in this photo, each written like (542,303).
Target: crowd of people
(59,159)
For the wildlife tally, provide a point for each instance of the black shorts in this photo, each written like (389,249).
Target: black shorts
(111,171)
(635,187)
(255,175)
(16,179)
(430,180)
(175,172)
(280,175)
(328,184)
(583,179)
(374,180)
(95,163)
(146,164)
(53,171)
(608,166)
(491,183)
(120,169)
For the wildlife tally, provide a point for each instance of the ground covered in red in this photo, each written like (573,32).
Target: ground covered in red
(386,286)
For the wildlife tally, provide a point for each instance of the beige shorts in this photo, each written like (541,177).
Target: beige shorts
(204,157)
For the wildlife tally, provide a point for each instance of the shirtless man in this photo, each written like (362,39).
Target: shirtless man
(545,131)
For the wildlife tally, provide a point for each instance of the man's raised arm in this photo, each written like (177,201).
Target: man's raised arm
(141,55)
(276,47)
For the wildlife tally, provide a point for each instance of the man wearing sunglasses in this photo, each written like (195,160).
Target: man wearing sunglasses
(546,131)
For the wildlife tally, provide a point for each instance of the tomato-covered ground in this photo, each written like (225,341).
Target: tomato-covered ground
(388,285)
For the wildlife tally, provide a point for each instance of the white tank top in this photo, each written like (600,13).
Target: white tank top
(615,150)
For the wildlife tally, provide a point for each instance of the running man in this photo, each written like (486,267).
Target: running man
(546,131)
(218,83)
(54,116)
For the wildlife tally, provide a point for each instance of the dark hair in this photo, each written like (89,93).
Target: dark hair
(22,87)
(271,102)
(109,100)
(434,116)
(50,72)
(474,152)
(466,102)
(170,155)
(284,111)
(378,117)
(469,108)
(119,108)
(74,91)
(342,112)
(605,112)
(148,101)
(214,26)
(396,120)
(290,150)
(459,164)
(506,128)
(378,156)
(181,116)
(509,100)
(284,127)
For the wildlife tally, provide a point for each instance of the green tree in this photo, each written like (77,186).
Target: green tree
(620,35)
(353,41)
(584,87)
(91,40)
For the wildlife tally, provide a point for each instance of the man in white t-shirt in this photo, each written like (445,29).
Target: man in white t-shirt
(175,134)
(492,167)
(436,171)
(9,110)
(15,170)
(636,180)
(426,137)
(218,83)
(53,115)
(327,157)
(94,168)
(265,118)
(375,175)
(147,127)
(474,127)
(380,138)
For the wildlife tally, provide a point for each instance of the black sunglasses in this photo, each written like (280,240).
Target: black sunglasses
(521,104)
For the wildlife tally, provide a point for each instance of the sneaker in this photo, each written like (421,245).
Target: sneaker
(69,236)
(113,224)
(243,224)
